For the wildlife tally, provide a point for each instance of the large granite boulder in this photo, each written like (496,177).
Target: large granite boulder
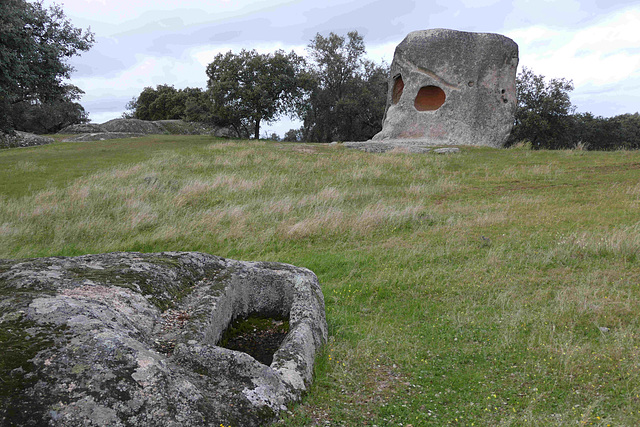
(126,339)
(451,87)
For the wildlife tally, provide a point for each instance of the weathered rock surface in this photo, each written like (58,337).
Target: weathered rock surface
(87,341)
(102,136)
(180,127)
(133,126)
(23,139)
(451,87)
(83,128)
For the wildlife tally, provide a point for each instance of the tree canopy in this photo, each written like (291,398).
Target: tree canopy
(348,97)
(35,45)
(339,95)
(167,103)
(162,103)
(543,114)
(249,88)
(545,117)
(50,116)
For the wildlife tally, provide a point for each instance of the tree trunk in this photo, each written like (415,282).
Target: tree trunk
(257,129)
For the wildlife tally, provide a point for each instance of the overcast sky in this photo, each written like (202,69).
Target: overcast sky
(142,43)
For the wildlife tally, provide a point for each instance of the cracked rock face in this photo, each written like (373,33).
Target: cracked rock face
(451,88)
(125,339)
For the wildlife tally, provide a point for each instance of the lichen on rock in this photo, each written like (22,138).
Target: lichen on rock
(130,339)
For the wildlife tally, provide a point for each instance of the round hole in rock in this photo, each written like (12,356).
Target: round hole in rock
(259,337)
(398,87)
(429,98)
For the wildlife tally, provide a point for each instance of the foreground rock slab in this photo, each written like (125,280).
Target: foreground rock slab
(450,87)
(125,339)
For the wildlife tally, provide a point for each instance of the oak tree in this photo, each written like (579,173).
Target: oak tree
(35,45)
(544,111)
(348,98)
(250,88)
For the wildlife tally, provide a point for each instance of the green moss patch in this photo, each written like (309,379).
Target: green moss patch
(259,337)
(21,341)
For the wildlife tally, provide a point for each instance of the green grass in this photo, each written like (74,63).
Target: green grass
(490,287)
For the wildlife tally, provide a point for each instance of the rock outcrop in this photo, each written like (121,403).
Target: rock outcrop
(125,339)
(451,87)
(180,127)
(23,139)
(120,128)
(83,128)
(133,126)
(101,136)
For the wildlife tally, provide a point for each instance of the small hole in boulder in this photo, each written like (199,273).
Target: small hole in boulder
(429,98)
(398,88)
(259,337)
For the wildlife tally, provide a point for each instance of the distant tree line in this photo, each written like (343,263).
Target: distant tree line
(35,44)
(338,94)
(165,102)
(546,119)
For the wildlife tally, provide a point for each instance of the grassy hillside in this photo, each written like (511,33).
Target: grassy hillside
(489,287)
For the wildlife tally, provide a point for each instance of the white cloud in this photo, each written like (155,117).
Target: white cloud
(104,117)
(601,57)
(551,12)
(599,54)
(476,4)
(383,52)
(147,72)
(119,11)
(204,55)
